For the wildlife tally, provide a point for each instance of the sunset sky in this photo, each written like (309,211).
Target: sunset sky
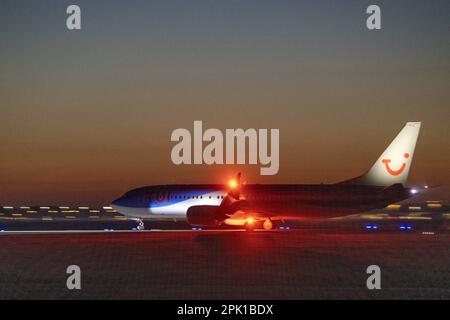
(86,115)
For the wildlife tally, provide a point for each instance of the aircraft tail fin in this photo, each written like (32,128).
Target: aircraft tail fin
(392,167)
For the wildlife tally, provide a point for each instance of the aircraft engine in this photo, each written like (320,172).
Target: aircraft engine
(204,216)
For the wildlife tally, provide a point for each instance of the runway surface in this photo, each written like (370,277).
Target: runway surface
(295,264)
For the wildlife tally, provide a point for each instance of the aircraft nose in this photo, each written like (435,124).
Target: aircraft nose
(117,203)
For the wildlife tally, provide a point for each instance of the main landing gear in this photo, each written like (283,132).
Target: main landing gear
(268,224)
(250,225)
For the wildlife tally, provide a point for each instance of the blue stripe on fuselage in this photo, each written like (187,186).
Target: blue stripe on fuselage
(175,197)
(165,198)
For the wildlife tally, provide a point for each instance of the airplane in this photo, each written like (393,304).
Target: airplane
(249,205)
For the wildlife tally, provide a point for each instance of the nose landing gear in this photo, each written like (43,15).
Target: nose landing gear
(140,226)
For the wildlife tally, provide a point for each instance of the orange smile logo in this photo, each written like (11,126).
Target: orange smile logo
(395,172)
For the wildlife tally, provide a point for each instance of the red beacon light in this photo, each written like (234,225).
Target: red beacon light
(232,184)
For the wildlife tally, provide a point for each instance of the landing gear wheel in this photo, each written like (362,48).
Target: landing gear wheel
(141,225)
(268,225)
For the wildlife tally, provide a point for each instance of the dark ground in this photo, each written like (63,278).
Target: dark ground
(295,264)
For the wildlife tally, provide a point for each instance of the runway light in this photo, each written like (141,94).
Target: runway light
(414,191)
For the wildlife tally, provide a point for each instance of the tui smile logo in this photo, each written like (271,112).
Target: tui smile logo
(395,172)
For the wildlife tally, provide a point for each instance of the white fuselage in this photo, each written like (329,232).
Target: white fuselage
(171,209)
